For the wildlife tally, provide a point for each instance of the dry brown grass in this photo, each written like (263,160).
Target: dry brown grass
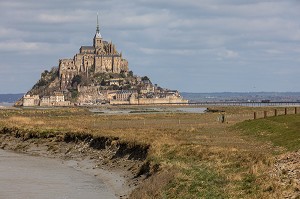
(199,150)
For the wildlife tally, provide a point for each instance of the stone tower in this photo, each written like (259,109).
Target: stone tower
(98,43)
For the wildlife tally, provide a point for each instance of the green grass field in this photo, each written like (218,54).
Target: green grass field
(283,131)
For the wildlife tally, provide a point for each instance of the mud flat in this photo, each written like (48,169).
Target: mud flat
(24,176)
(68,165)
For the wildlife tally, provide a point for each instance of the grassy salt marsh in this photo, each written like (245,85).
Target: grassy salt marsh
(198,156)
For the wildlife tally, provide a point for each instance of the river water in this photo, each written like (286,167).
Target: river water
(29,177)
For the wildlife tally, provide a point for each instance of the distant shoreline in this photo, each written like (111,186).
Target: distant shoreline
(8,100)
(6,104)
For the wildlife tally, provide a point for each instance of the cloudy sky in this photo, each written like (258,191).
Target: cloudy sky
(190,45)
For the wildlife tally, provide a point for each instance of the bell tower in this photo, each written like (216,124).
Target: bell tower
(98,43)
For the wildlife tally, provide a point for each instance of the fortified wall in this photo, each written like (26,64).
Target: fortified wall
(145,101)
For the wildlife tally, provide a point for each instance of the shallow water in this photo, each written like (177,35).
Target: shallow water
(149,110)
(192,110)
(29,177)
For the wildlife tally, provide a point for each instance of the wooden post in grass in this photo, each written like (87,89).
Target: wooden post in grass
(275,112)
(296,110)
(285,111)
(254,115)
(265,114)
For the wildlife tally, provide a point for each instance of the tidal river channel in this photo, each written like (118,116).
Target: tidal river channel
(30,177)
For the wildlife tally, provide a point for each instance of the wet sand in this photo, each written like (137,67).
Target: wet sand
(23,176)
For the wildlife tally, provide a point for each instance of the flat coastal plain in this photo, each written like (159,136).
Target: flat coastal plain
(168,154)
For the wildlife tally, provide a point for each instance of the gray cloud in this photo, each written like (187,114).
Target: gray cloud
(192,45)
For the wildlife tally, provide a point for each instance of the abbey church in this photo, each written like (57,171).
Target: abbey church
(102,57)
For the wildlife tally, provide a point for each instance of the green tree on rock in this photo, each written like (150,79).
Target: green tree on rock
(77,79)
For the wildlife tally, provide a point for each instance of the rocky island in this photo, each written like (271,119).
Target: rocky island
(96,75)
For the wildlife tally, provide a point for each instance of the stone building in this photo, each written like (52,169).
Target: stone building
(115,82)
(45,101)
(124,95)
(58,99)
(102,57)
(31,100)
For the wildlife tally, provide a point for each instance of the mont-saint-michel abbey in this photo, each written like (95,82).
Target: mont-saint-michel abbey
(98,74)
(102,57)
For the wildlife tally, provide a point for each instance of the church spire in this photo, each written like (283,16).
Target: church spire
(98,29)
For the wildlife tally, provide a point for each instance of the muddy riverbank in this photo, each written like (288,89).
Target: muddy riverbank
(119,167)
(23,176)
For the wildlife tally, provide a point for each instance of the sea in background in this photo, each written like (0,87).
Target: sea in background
(242,97)
(7,99)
